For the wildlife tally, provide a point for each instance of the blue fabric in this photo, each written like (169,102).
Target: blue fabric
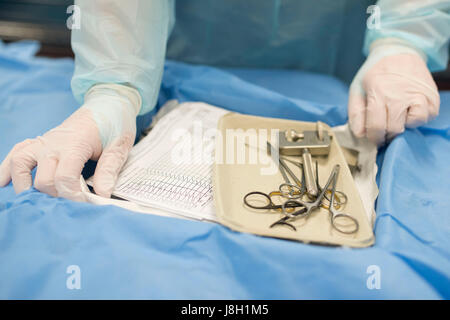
(122,254)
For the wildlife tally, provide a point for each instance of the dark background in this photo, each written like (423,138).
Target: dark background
(45,21)
(42,20)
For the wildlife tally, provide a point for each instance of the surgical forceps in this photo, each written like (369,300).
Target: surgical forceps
(268,204)
(340,221)
(350,227)
(287,190)
(341,197)
(293,191)
(307,207)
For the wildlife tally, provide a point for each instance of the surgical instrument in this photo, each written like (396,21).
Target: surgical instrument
(305,144)
(266,199)
(294,191)
(340,198)
(352,224)
(309,206)
(340,221)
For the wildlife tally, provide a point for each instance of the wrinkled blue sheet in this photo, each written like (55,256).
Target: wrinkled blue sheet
(122,254)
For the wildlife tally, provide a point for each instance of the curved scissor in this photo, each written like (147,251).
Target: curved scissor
(340,221)
(252,199)
(307,207)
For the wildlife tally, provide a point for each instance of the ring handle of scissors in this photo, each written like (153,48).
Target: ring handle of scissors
(353,225)
(340,198)
(294,192)
(337,203)
(269,203)
(279,194)
(335,215)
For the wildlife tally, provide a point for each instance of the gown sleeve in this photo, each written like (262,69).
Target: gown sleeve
(423,24)
(122,42)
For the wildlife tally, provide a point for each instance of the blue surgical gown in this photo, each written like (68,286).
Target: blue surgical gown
(126,41)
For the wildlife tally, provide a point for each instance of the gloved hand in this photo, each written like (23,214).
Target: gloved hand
(103,129)
(392,90)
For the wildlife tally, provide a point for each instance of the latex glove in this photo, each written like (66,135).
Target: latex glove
(392,90)
(103,129)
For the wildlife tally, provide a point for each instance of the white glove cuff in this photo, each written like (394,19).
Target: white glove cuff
(392,46)
(114,108)
(131,95)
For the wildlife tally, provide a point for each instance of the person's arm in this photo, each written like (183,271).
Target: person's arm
(394,88)
(421,24)
(122,42)
(119,56)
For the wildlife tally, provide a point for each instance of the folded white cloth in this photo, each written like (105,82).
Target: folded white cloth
(365,178)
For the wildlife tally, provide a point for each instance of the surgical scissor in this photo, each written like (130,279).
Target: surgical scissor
(295,192)
(340,221)
(266,200)
(288,189)
(348,224)
(268,204)
(341,197)
(307,207)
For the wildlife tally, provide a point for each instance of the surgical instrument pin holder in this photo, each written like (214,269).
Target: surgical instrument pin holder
(305,144)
